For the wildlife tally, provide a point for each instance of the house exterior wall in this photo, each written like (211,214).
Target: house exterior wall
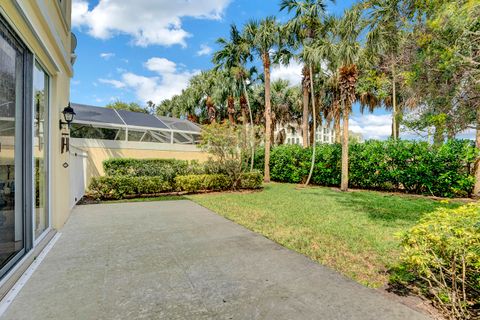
(44,27)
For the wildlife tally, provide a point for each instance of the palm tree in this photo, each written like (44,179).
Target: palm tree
(304,26)
(383,39)
(232,56)
(349,53)
(264,36)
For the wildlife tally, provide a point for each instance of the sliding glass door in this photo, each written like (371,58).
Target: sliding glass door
(40,149)
(14,152)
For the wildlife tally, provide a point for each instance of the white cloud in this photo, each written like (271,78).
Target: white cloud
(168,81)
(149,22)
(161,65)
(372,126)
(115,83)
(107,55)
(292,72)
(205,50)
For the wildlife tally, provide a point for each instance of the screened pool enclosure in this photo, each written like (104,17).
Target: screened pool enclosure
(119,125)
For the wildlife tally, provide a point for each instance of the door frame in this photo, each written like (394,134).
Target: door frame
(23,184)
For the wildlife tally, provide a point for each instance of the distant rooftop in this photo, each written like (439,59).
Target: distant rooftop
(100,116)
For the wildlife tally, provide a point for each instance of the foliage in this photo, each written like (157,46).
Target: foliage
(353,233)
(251,180)
(203,182)
(229,147)
(443,253)
(410,166)
(166,169)
(120,187)
(132,106)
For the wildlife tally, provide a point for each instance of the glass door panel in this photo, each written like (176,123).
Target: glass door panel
(11,105)
(40,149)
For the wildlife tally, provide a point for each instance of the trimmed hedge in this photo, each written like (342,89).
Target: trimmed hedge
(411,166)
(120,187)
(251,180)
(203,182)
(167,169)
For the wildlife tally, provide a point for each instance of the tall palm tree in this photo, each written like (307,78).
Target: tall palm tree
(303,26)
(349,54)
(383,39)
(265,36)
(232,56)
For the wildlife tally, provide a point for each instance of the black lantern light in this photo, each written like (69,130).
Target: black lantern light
(68,115)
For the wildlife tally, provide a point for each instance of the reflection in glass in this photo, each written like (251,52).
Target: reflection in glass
(11,215)
(40,148)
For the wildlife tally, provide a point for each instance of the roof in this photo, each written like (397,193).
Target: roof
(103,116)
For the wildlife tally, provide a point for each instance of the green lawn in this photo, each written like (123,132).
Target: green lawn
(354,233)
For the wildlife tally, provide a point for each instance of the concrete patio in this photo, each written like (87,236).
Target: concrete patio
(178,260)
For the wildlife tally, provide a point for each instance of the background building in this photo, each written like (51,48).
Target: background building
(293,134)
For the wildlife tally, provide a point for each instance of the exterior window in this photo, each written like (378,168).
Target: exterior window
(40,148)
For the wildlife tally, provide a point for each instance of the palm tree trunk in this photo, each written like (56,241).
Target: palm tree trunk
(268,119)
(344,182)
(306,98)
(394,99)
(314,128)
(243,108)
(252,133)
(336,124)
(476,189)
(212,112)
(231,109)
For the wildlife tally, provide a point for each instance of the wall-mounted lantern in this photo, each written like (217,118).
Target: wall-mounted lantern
(68,115)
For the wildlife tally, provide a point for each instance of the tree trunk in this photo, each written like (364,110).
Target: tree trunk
(394,99)
(476,189)
(212,112)
(311,133)
(344,183)
(438,136)
(231,109)
(336,124)
(243,108)
(305,83)
(273,128)
(252,138)
(268,119)
(314,145)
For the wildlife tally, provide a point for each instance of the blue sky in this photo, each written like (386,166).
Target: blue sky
(147,50)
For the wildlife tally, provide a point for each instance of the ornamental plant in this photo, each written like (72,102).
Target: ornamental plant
(442,252)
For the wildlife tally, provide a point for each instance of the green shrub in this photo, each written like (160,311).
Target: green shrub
(442,252)
(203,182)
(411,166)
(119,187)
(167,169)
(251,180)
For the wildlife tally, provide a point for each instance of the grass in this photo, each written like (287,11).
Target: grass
(354,233)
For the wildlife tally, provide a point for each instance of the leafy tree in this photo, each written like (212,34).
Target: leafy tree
(384,39)
(132,106)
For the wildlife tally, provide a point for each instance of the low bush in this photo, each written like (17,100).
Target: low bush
(251,180)
(411,166)
(442,255)
(119,187)
(203,182)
